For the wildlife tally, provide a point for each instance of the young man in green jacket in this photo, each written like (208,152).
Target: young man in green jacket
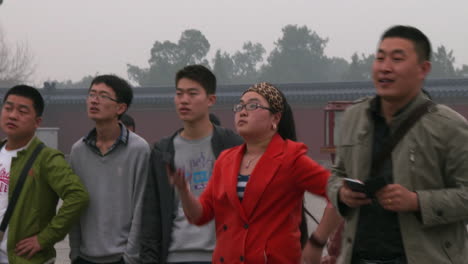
(35,226)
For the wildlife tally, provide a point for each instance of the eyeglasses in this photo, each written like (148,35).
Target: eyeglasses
(249,107)
(101,97)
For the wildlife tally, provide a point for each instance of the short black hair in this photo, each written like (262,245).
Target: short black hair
(122,89)
(421,42)
(28,92)
(127,120)
(199,74)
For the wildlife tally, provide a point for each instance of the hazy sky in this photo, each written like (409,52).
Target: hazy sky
(71,39)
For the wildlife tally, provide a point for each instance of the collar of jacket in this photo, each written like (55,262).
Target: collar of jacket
(403,113)
(274,148)
(31,145)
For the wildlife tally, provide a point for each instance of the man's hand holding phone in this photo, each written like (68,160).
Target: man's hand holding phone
(353,193)
(355,185)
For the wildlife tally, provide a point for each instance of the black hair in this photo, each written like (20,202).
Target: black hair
(121,87)
(28,92)
(199,74)
(214,119)
(287,130)
(128,120)
(421,42)
(287,126)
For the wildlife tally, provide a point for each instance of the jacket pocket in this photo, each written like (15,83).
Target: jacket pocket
(275,251)
(452,251)
(354,155)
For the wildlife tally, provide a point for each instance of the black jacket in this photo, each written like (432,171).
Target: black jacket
(158,204)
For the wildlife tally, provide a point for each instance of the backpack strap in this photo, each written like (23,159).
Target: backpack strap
(376,183)
(19,186)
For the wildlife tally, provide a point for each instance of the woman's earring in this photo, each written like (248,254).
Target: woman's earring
(274,126)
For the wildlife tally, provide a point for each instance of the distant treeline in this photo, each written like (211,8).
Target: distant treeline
(297,57)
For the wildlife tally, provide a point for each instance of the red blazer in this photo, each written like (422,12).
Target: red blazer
(264,227)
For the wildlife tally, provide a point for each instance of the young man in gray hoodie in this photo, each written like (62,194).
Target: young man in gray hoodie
(112,162)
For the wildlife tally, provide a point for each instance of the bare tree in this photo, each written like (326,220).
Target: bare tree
(16,64)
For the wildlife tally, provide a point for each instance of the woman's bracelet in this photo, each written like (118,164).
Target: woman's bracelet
(315,242)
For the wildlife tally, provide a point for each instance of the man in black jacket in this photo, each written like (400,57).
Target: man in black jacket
(167,237)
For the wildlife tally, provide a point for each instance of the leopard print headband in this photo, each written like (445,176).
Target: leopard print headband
(270,93)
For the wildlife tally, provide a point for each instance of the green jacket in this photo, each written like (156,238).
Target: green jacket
(432,160)
(49,179)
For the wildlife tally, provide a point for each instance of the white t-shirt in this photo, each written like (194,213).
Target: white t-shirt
(5,165)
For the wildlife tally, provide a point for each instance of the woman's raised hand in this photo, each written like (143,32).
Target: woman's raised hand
(177,179)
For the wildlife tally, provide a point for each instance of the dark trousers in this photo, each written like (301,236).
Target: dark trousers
(84,261)
(368,261)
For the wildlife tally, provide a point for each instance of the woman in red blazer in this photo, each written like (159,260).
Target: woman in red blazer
(255,193)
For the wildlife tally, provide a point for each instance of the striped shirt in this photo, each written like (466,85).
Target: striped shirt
(241,184)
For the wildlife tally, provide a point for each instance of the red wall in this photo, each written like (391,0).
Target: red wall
(154,123)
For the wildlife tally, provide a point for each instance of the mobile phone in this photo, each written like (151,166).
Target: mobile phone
(355,185)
